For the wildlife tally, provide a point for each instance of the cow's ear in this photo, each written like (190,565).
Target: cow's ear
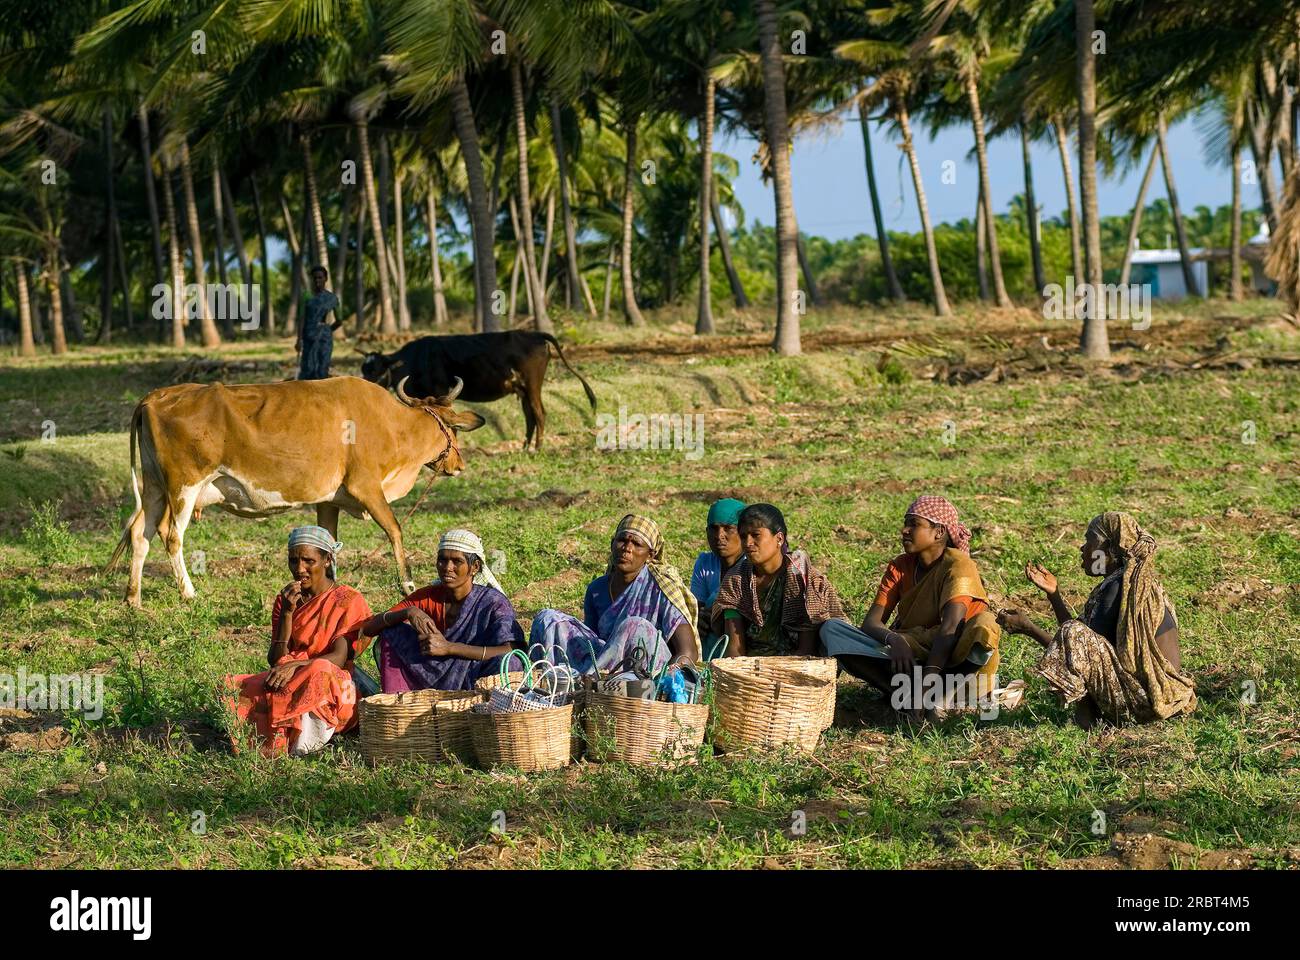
(462,419)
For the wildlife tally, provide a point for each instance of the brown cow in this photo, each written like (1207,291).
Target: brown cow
(259,449)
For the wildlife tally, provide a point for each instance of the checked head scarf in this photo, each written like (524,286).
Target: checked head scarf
(666,576)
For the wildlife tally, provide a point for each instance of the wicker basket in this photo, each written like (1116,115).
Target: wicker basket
(402,726)
(819,668)
(531,740)
(643,731)
(451,725)
(493,680)
(768,709)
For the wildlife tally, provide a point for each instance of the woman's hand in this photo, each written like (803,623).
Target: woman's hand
(679,661)
(292,596)
(421,622)
(1041,577)
(1014,621)
(282,672)
(901,658)
(436,645)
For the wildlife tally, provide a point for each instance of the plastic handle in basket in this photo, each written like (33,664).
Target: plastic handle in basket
(505,669)
(549,670)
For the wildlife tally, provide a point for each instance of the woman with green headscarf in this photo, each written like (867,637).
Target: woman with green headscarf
(711,566)
(1120,660)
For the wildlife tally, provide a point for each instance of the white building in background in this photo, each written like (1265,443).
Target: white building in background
(1163,270)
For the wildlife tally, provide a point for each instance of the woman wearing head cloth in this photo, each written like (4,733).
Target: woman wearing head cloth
(1120,660)
(941,620)
(308,694)
(724,553)
(773,600)
(640,602)
(448,634)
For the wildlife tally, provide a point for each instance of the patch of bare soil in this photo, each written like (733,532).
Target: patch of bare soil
(329,863)
(25,730)
(1150,851)
(1249,591)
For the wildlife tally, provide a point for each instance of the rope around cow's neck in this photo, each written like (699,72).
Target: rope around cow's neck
(433,471)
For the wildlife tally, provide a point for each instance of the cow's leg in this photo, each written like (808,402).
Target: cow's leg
(153,505)
(182,507)
(530,421)
(539,411)
(377,507)
(327,516)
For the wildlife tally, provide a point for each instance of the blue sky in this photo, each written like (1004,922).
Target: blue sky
(830,181)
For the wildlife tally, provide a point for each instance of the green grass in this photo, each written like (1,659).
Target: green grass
(841,439)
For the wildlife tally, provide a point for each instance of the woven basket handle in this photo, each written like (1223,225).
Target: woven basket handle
(549,670)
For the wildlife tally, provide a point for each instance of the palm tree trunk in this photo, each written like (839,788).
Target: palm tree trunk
(146,157)
(631,311)
(265,301)
(1234,257)
(1031,209)
(1135,221)
(941,307)
(704,308)
(399,217)
(805,268)
(320,252)
(71,310)
(296,267)
(570,233)
(341,251)
(219,255)
(123,275)
(439,298)
(609,283)
(27,345)
(786,341)
(1264,173)
(986,193)
(1071,200)
(724,245)
(106,288)
(174,262)
(485,267)
(1180,228)
(981,246)
(514,286)
(236,232)
(882,238)
(547,235)
(208,329)
(359,281)
(520,255)
(388,322)
(53,275)
(1093,340)
(531,277)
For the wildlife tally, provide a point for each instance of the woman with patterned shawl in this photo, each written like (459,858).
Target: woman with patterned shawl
(724,553)
(941,616)
(1120,660)
(448,634)
(639,602)
(308,694)
(773,600)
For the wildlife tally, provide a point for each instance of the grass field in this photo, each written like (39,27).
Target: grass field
(1195,428)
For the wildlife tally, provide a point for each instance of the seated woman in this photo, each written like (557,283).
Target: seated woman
(448,634)
(1120,660)
(723,554)
(308,695)
(940,608)
(771,602)
(639,602)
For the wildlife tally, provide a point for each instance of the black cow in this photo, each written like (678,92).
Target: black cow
(492,365)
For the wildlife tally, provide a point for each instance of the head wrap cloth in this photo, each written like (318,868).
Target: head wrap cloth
(938,510)
(725,512)
(646,531)
(467,542)
(318,537)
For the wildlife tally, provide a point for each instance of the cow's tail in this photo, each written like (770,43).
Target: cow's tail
(136,419)
(591,397)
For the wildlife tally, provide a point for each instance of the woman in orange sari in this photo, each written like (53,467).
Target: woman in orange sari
(308,695)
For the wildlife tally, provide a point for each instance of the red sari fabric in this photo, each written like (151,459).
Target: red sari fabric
(320,687)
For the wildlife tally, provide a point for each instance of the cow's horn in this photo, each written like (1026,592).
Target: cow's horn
(455,391)
(401,393)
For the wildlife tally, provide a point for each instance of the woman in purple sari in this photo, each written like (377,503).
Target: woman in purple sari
(639,602)
(448,634)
